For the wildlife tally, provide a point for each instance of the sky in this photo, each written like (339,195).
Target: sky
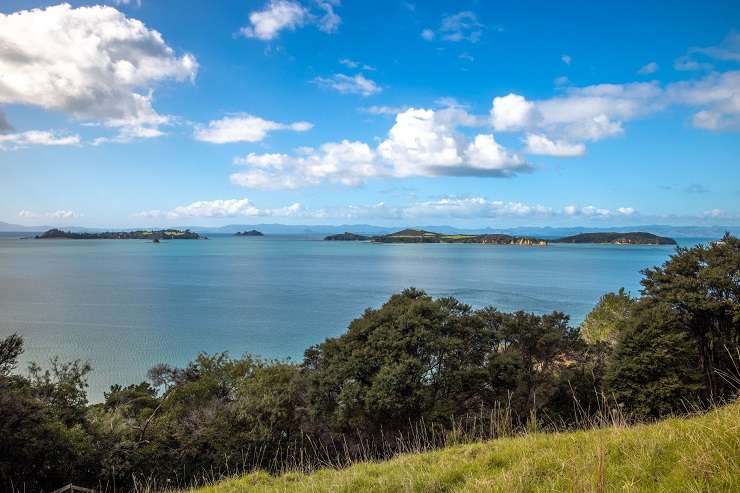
(178,112)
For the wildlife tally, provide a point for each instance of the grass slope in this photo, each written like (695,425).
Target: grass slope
(699,454)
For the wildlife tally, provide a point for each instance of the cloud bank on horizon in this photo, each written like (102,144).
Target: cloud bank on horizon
(87,79)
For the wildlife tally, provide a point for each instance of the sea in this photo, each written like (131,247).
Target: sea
(126,305)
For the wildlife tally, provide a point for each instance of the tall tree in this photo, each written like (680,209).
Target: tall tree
(701,286)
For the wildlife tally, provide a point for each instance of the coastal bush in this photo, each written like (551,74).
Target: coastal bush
(414,374)
(608,318)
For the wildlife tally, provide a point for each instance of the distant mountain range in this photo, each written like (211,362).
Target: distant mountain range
(369,229)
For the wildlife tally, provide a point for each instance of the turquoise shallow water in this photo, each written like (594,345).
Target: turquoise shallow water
(126,305)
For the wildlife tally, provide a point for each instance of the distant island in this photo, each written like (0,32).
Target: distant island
(252,232)
(162,234)
(347,237)
(421,236)
(635,238)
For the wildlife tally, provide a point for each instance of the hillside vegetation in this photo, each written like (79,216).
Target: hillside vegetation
(690,455)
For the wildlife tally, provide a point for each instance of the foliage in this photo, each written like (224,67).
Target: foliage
(654,370)
(701,286)
(608,318)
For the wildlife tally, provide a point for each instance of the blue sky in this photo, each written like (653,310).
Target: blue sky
(467,113)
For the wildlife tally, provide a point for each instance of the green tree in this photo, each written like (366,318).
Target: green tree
(608,318)
(654,369)
(11,348)
(527,357)
(44,441)
(701,287)
(413,358)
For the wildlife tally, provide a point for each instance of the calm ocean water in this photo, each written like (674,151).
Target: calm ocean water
(126,305)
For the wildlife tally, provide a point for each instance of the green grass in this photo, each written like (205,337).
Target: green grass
(698,454)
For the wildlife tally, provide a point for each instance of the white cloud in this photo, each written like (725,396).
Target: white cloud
(511,112)
(685,64)
(346,84)
(422,142)
(353,64)
(243,128)
(728,50)
(54,215)
(539,144)
(450,207)
(330,21)
(12,141)
(278,15)
(466,208)
(223,208)
(93,63)
(345,163)
(484,154)
(349,63)
(281,15)
(384,110)
(591,211)
(582,114)
(427,34)
(463,26)
(718,97)
(566,59)
(418,142)
(649,68)
(559,126)
(470,207)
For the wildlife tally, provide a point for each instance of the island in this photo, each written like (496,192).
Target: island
(153,235)
(420,236)
(252,232)
(347,237)
(634,238)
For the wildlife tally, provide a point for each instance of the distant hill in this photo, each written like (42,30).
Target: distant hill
(165,234)
(251,232)
(347,237)
(409,235)
(630,238)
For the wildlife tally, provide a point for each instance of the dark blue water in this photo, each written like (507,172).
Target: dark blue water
(126,305)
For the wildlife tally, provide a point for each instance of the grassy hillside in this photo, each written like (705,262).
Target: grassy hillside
(688,455)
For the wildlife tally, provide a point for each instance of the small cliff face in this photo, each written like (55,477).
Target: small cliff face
(529,242)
